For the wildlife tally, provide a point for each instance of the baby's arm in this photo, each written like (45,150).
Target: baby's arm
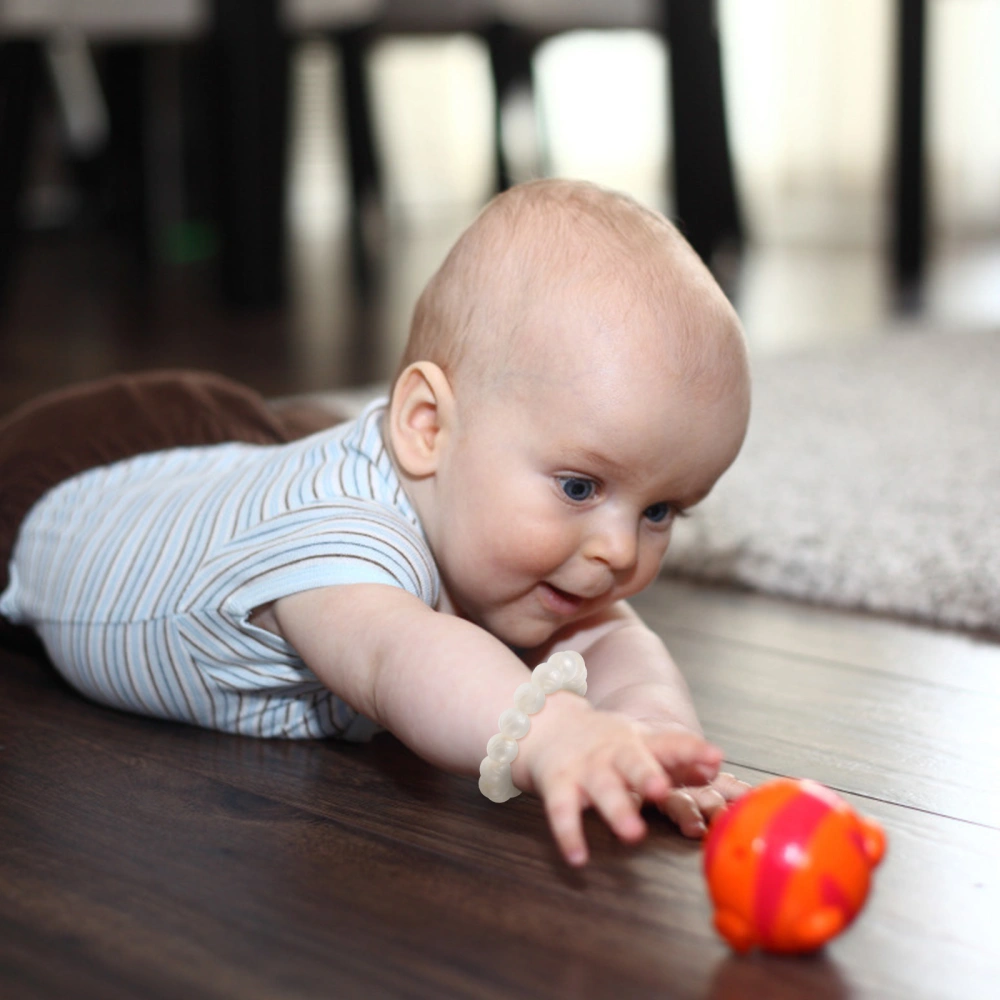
(631,671)
(440,683)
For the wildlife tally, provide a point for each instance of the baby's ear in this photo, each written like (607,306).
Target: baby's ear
(420,417)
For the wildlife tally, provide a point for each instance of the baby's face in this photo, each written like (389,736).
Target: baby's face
(557,496)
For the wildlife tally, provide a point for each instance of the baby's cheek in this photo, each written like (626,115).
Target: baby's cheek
(515,532)
(538,547)
(648,569)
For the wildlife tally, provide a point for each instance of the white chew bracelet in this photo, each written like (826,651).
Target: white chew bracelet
(561,671)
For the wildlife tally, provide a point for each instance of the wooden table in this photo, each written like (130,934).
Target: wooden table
(143,859)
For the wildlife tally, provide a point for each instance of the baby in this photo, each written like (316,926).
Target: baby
(574,381)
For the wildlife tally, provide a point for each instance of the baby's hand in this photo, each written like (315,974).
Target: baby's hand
(693,808)
(583,758)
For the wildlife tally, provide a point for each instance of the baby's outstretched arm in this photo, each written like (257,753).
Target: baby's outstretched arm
(630,671)
(440,684)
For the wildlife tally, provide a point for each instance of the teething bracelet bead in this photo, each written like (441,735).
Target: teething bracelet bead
(574,671)
(498,789)
(514,723)
(488,766)
(548,676)
(572,666)
(529,698)
(501,748)
(565,662)
(495,781)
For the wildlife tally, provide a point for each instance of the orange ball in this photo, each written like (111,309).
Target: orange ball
(789,866)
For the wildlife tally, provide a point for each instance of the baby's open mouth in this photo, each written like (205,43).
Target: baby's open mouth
(559,601)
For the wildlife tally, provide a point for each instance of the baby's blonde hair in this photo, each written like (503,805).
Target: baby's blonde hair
(537,238)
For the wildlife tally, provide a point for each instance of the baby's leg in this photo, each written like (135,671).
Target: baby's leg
(66,432)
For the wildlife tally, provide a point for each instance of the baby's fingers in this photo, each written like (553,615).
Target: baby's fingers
(564,810)
(729,786)
(687,758)
(613,799)
(609,791)
(643,774)
(690,808)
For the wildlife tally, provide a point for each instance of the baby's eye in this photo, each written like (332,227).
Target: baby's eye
(577,488)
(658,512)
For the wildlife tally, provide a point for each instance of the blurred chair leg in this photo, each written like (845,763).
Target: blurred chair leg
(252,57)
(20,80)
(365,171)
(706,203)
(124,181)
(511,53)
(200,151)
(507,65)
(909,196)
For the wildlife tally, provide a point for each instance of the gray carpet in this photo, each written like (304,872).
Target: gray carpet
(870,479)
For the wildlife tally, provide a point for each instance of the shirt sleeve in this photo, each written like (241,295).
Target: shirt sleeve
(337,542)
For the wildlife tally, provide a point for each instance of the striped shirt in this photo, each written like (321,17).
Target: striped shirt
(140,577)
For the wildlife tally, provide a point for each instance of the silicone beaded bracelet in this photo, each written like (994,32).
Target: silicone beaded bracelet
(560,672)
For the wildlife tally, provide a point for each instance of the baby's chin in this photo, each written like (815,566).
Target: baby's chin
(512,624)
(522,635)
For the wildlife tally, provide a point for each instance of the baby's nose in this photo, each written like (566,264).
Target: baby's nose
(614,543)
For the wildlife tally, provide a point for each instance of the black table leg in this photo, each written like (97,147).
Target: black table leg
(909,196)
(252,56)
(362,148)
(20,80)
(706,203)
(510,63)
(123,164)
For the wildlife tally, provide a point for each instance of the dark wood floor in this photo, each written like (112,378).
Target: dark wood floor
(145,860)
(141,859)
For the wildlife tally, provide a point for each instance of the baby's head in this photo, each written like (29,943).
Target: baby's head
(574,380)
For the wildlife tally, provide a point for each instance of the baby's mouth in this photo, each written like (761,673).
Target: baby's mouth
(560,602)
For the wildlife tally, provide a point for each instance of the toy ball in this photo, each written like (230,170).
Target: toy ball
(789,866)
